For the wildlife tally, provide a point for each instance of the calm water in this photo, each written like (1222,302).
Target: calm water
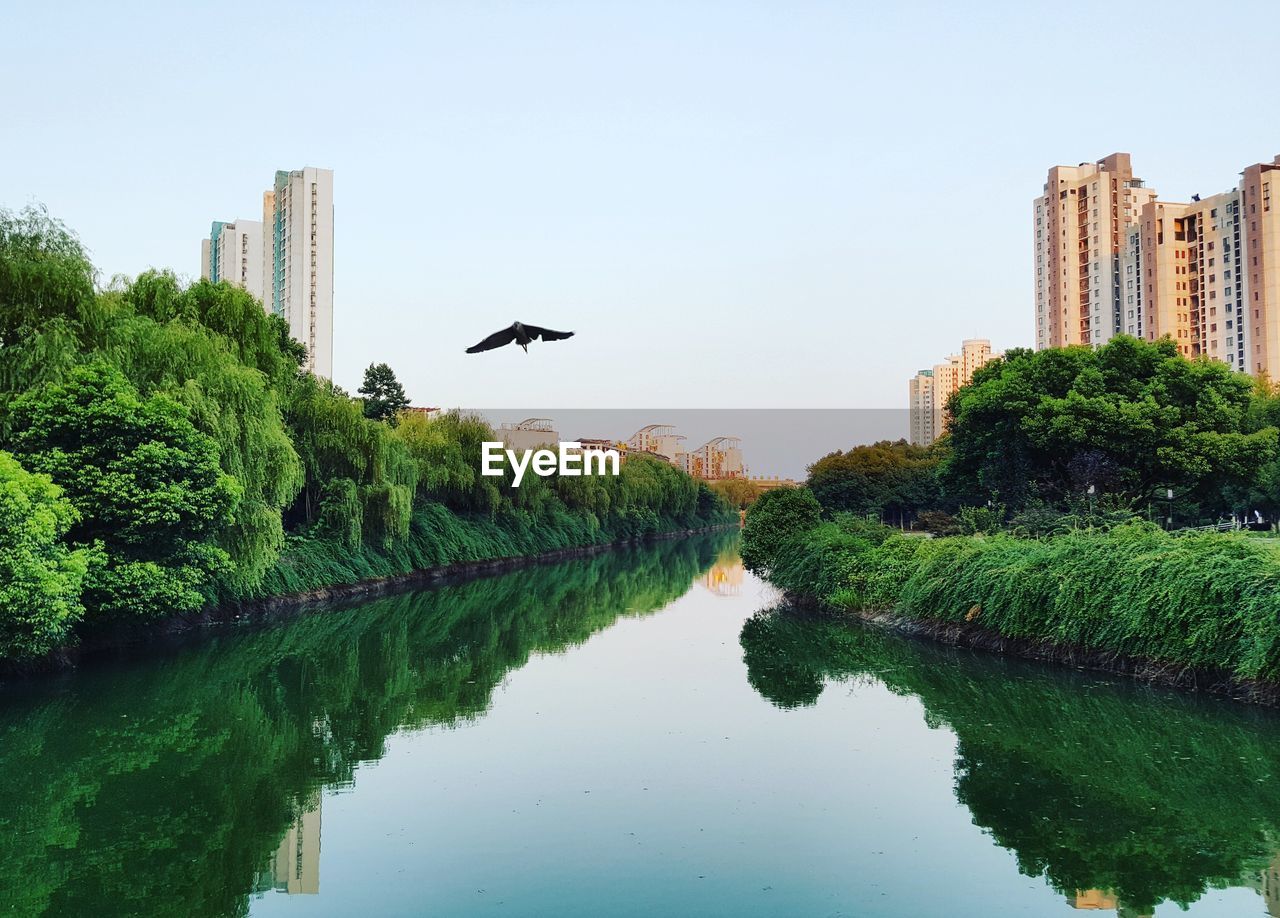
(633,734)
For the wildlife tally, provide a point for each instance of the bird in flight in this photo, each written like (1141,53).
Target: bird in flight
(520,334)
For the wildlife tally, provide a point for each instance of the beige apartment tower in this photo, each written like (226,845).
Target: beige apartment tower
(1202,273)
(1082,222)
(920,387)
(929,390)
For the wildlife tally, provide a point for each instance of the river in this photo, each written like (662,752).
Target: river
(638,733)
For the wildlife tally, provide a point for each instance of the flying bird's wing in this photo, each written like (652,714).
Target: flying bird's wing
(546,334)
(497,339)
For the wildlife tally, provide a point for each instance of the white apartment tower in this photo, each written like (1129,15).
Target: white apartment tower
(233,253)
(301,246)
(286,261)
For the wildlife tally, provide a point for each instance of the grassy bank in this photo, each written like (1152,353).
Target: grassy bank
(1209,601)
(438,537)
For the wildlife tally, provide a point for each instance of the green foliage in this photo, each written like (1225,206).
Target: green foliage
(776,517)
(447,450)
(145,484)
(206,347)
(1038,519)
(737,492)
(167,348)
(438,536)
(888,479)
(978,520)
(1209,601)
(384,396)
(182,430)
(40,578)
(45,280)
(1129,418)
(337,442)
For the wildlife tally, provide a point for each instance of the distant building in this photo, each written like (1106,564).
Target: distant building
(921,392)
(769,482)
(657,438)
(530,433)
(286,261)
(929,390)
(720,457)
(1111,258)
(233,253)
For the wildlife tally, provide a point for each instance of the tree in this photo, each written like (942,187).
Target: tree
(384,397)
(40,576)
(45,275)
(146,486)
(1129,419)
(891,479)
(739,493)
(209,347)
(778,516)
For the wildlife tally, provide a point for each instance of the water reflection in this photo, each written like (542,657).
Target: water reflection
(725,576)
(295,867)
(182,784)
(1121,796)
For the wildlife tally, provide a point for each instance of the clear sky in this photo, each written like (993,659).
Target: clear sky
(788,204)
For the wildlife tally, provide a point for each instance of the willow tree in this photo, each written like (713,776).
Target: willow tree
(46,296)
(338,444)
(209,347)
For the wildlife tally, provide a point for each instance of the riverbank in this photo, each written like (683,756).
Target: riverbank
(179,627)
(1155,672)
(1197,612)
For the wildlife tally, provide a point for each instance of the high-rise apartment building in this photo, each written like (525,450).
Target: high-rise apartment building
(1258,265)
(233,252)
(929,390)
(1202,273)
(286,261)
(1081,225)
(300,287)
(920,387)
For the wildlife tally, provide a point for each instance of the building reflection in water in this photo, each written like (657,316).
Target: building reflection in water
(295,867)
(724,578)
(1265,883)
(1102,900)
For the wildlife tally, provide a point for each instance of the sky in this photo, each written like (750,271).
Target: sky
(733,204)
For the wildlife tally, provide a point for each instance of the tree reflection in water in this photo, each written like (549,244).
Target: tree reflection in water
(182,783)
(1121,795)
